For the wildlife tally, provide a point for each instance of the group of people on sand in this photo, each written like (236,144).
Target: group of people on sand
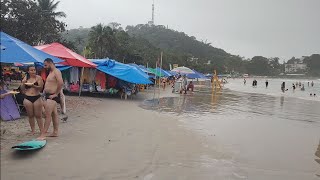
(35,104)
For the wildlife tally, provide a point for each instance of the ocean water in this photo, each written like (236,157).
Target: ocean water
(266,133)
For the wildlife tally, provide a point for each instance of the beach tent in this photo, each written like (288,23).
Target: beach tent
(122,71)
(71,58)
(169,73)
(16,51)
(196,75)
(8,108)
(160,72)
(145,70)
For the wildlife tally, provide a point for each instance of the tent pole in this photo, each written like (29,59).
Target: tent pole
(81,81)
(160,74)
(155,82)
(148,75)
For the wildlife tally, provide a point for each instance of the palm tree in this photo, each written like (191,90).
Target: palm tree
(97,39)
(48,7)
(102,40)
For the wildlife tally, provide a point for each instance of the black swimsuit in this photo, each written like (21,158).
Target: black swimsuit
(57,99)
(32,99)
(28,87)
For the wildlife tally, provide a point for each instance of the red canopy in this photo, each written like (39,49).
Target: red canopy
(71,58)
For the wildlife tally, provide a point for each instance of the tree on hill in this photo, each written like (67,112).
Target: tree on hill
(49,7)
(29,22)
(313,64)
(142,44)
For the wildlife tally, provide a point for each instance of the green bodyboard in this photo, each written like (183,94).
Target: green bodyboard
(30,145)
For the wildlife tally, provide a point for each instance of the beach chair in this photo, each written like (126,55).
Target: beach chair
(18,98)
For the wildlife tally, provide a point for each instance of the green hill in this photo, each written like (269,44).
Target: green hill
(143,43)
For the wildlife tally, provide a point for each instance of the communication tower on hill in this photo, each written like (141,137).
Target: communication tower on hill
(152,20)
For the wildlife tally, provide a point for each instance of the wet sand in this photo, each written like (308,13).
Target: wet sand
(113,139)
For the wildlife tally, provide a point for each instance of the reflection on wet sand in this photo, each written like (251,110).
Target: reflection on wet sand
(214,99)
(281,101)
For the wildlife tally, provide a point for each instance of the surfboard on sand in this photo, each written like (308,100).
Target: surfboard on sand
(30,145)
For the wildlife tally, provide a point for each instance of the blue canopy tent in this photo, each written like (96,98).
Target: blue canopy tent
(159,72)
(144,68)
(138,67)
(173,73)
(196,75)
(122,71)
(169,73)
(16,51)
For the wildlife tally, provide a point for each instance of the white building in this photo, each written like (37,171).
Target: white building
(296,67)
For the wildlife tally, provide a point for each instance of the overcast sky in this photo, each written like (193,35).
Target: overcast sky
(271,28)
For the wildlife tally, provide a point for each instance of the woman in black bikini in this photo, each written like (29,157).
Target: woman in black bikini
(33,84)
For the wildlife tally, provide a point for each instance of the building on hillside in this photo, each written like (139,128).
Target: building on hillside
(295,67)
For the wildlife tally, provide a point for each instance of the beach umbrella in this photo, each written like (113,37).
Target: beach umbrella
(71,58)
(192,74)
(15,51)
(183,70)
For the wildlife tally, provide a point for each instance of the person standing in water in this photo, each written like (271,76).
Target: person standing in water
(52,89)
(293,86)
(283,87)
(184,84)
(32,84)
(267,83)
(312,83)
(244,81)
